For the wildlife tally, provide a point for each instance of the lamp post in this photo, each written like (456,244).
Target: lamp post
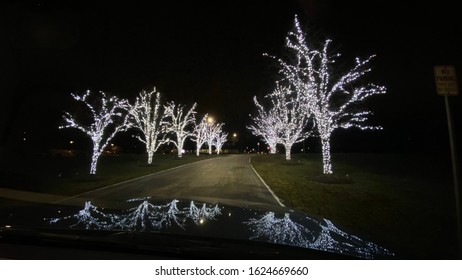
(210,122)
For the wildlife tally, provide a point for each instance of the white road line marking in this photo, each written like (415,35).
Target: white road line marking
(264,183)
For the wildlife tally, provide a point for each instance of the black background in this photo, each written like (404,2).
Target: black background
(210,52)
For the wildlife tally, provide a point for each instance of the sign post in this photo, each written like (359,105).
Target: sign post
(446,85)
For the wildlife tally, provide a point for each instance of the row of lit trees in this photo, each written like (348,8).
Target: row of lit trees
(159,124)
(314,97)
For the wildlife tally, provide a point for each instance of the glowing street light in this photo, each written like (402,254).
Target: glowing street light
(234,139)
(210,120)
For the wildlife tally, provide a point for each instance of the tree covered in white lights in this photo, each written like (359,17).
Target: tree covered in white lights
(284,122)
(213,129)
(179,122)
(290,119)
(108,116)
(220,140)
(146,115)
(265,125)
(199,134)
(328,94)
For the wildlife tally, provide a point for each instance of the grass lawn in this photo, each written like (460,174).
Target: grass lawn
(70,175)
(402,202)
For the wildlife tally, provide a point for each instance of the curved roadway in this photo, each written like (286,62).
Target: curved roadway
(220,179)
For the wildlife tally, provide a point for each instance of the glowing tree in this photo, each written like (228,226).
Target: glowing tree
(220,139)
(283,123)
(108,117)
(200,133)
(328,95)
(146,115)
(212,131)
(289,118)
(265,125)
(178,123)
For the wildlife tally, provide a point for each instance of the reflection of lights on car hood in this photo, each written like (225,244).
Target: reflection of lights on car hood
(145,216)
(325,237)
(286,227)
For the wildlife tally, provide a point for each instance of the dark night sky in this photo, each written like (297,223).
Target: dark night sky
(211,52)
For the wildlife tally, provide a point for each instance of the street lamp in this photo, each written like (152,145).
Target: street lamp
(234,139)
(258,147)
(210,120)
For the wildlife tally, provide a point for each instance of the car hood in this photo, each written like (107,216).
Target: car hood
(198,217)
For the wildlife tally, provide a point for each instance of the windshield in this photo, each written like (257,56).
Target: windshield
(330,126)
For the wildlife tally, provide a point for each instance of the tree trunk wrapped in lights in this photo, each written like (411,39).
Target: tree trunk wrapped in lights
(220,140)
(212,131)
(284,122)
(200,133)
(146,116)
(265,125)
(179,123)
(328,95)
(107,118)
(290,118)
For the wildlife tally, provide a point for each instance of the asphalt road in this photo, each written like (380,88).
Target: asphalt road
(221,179)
